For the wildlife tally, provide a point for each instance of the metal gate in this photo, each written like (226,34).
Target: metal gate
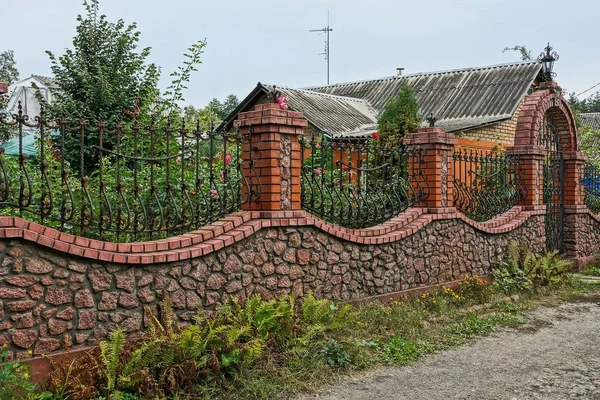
(553,192)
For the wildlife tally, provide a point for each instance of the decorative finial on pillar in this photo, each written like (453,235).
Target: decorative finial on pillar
(431,120)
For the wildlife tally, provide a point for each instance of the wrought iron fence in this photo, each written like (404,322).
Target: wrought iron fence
(591,187)
(125,181)
(360,183)
(486,184)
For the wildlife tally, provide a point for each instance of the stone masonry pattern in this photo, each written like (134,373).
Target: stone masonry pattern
(49,300)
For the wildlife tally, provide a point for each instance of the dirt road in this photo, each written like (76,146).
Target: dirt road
(554,355)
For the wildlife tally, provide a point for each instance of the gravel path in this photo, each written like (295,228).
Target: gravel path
(554,355)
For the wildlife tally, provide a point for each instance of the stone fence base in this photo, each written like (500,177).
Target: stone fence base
(50,299)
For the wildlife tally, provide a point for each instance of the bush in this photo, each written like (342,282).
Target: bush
(15,382)
(523,269)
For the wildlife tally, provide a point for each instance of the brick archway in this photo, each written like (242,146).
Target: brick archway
(542,105)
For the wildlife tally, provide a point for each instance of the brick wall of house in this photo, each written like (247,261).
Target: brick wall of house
(502,133)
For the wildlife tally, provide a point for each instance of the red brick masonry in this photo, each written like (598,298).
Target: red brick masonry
(239,226)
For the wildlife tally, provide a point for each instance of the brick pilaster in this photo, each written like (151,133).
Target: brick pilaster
(574,171)
(437,150)
(574,202)
(3,87)
(531,163)
(275,156)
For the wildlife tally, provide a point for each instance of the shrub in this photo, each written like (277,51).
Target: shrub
(523,269)
(15,382)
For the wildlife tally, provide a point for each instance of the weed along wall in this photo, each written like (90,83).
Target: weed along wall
(59,290)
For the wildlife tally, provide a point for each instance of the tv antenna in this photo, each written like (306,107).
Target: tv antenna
(325,30)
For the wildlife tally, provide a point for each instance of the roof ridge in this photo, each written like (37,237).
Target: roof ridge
(356,99)
(510,64)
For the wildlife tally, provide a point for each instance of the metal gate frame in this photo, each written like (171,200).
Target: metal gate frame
(553,186)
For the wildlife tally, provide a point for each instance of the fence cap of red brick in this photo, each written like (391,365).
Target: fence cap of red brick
(3,87)
(430,135)
(270,114)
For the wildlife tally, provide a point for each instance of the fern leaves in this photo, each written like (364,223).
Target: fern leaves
(110,353)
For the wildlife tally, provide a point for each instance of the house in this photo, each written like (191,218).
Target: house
(480,104)
(591,120)
(24,91)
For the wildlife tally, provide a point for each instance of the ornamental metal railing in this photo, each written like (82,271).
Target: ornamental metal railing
(591,187)
(125,181)
(360,183)
(486,184)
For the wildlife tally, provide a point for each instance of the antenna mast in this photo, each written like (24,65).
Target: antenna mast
(326,30)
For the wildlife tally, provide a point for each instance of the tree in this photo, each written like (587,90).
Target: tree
(8,67)
(105,72)
(222,110)
(400,116)
(215,112)
(587,105)
(8,74)
(105,76)
(522,50)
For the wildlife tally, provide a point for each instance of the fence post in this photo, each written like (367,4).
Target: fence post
(437,150)
(275,156)
(531,166)
(574,201)
(574,171)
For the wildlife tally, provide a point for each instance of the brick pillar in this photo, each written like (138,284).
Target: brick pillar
(437,167)
(574,170)
(531,163)
(574,164)
(275,154)
(3,87)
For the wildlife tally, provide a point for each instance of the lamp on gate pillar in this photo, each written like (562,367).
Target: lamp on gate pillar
(547,58)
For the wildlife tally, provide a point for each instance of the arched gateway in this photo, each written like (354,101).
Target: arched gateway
(547,127)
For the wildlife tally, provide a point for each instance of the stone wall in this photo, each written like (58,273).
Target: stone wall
(582,234)
(50,299)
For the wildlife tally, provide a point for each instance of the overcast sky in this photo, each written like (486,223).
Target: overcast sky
(268,40)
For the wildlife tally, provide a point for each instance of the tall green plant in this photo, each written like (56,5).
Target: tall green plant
(400,116)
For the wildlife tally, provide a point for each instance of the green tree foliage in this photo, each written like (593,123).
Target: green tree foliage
(589,143)
(400,116)
(587,105)
(105,71)
(215,112)
(106,76)
(522,50)
(8,74)
(8,67)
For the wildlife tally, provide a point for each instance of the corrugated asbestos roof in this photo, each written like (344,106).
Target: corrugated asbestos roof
(590,119)
(460,99)
(332,114)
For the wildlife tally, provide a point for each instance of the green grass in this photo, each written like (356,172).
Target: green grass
(593,271)
(399,334)
(289,346)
